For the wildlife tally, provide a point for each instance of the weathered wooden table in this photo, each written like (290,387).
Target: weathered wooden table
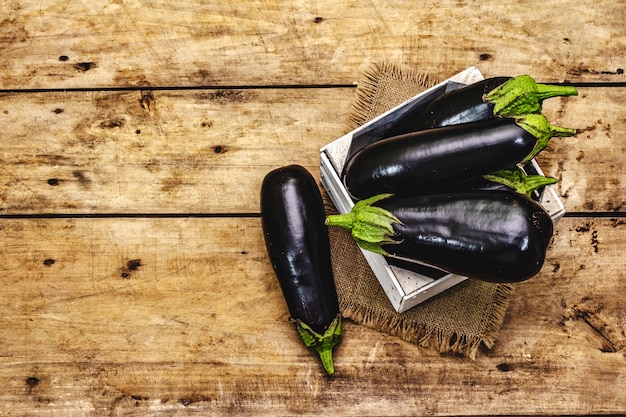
(134,279)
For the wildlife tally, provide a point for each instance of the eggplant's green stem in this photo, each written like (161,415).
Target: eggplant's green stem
(323,344)
(538,126)
(519,181)
(522,95)
(345,221)
(545,91)
(326,356)
(370,226)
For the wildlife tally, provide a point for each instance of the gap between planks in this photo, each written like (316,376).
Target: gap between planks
(600,215)
(591,84)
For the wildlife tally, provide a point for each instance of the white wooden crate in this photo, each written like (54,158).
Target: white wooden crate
(407,288)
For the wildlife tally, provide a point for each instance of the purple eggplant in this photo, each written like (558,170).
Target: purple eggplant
(292,217)
(494,236)
(482,100)
(437,159)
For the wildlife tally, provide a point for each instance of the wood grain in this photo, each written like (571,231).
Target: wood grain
(189,152)
(126,317)
(207,151)
(134,278)
(591,166)
(61,44)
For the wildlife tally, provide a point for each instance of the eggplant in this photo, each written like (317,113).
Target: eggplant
(482,100)
(493,236)
(436,159)
(296,238)
(515,179)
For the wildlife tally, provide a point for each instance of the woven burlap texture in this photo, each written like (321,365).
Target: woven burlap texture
(460,319)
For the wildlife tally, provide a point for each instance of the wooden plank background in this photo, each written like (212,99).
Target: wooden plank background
(207,151)
(136,135)
(184,315)
(102,43)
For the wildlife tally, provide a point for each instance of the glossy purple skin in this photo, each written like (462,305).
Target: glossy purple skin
(436,159)
(462,105)
(292,217)
(495,236)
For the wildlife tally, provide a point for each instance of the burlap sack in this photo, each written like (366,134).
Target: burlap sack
(458,320)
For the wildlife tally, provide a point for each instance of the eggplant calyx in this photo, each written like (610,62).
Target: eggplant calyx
(370,226)
(323,344)
(519,181)
(538,126)
(523,95)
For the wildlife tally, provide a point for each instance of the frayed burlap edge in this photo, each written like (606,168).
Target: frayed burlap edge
(431,337)
(360,111)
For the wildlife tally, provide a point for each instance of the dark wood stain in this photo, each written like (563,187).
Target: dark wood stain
(49,262)
(81,177)
(131,266)
(84,66)
(32,381)
(147,100)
